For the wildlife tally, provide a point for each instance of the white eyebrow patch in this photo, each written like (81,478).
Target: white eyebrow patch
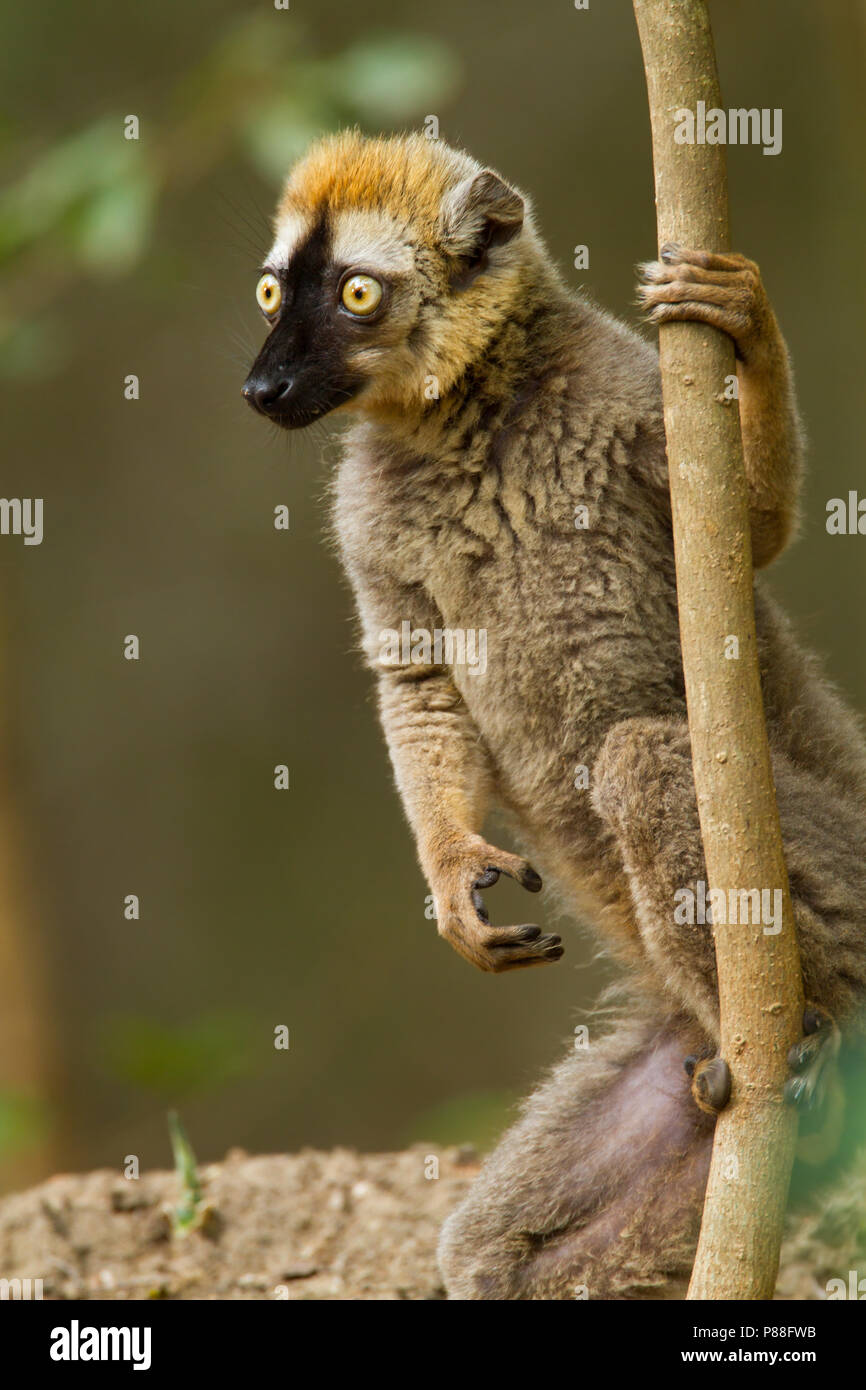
(370,238)
(291,231)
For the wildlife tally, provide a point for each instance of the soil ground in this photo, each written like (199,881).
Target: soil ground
(312,1225)
(337,1225)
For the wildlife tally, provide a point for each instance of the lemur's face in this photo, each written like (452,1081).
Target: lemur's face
(340,296)
(370,287)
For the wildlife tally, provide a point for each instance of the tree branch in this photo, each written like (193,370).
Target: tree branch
(760,985)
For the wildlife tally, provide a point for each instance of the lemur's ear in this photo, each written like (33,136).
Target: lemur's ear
(480,213)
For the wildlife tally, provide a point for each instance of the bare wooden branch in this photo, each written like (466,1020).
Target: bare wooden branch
(760,986)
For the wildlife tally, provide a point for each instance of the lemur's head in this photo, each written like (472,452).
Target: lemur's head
(394,261)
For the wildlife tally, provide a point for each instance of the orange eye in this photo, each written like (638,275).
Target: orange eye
(269,294)
(361,294)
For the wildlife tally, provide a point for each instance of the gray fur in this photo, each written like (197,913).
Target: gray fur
(459,513)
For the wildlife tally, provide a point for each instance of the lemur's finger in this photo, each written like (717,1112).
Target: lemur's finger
(660,273)
(530,880)
(674,254)
(510,936)
(514,867)
(678,291)
(501,948)
(478,904)
(515,947)
(691,311)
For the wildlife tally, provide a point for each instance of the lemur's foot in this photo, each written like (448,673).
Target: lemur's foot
(700,287)
(815,1088)
(711,1082)
(463,869)
(813,1059)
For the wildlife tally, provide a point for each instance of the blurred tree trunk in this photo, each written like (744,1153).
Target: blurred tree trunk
(26,1029)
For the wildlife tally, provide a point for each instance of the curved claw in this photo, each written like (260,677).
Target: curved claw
(480,908)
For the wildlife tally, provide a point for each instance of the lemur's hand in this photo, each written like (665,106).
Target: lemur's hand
(457,875)
(725,291)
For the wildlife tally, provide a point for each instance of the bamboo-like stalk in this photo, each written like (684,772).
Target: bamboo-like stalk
(760,984)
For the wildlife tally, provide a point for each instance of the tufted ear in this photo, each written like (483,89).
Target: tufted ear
(480,213)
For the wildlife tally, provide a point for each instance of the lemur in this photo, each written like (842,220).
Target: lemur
(505,472)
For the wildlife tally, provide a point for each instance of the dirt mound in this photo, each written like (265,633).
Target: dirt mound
(336,1225)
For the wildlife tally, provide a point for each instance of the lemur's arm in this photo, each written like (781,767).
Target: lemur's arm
(727,292)
(443,775)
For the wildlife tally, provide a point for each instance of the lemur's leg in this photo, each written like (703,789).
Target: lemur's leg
(643,788)
(726,291)
(598,1189)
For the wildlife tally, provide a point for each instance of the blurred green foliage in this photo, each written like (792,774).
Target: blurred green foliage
(176,1059)
(477,1117)
(23,1122)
